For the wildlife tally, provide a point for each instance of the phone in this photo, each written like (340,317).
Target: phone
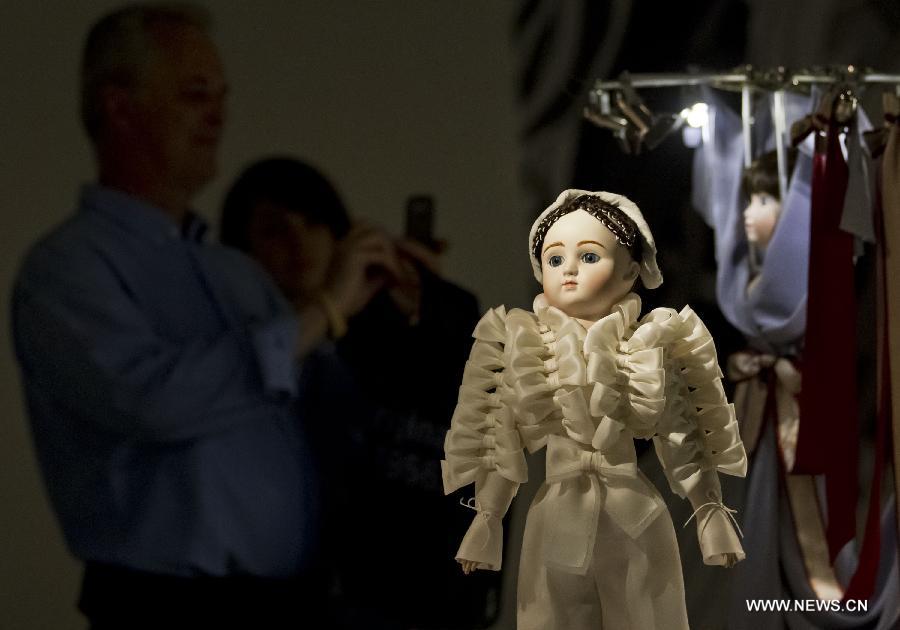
(420,219)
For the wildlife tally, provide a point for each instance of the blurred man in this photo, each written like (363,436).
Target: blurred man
(160,372)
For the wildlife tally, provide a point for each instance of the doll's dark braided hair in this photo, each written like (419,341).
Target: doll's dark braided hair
(609,214)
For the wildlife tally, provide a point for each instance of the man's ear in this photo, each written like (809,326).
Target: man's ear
(118,107)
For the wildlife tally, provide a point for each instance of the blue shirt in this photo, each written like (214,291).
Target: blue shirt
(160,378)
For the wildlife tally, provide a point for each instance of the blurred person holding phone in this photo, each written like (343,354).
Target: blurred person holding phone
(387,388)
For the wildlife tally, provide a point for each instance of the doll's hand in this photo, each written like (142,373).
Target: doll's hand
(731,559)
(468,566)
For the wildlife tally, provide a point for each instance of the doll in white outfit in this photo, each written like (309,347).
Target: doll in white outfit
(584,376)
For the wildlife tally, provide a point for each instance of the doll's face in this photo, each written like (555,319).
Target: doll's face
(585,269)
(761,217)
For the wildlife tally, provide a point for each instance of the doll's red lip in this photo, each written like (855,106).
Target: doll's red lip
(570,283)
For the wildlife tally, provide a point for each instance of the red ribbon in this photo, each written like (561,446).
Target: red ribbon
(862,585)
(828,434)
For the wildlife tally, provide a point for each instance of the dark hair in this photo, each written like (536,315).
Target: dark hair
(762,174)
(609,214)
(287,182)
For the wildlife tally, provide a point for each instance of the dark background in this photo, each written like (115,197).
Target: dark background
(474,102)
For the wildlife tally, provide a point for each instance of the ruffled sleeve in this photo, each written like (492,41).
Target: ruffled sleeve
(697,435)
(483,446)
(628,378)
(542,365)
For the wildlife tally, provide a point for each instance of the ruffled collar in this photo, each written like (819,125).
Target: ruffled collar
(621,319)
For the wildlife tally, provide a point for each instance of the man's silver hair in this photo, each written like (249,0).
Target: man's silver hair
(119,46)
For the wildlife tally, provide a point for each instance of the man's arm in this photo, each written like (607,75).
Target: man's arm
(83,340)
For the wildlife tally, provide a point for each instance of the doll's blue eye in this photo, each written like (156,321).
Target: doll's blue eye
(590,258)
(555,261)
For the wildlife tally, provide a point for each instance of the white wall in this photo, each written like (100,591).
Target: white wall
(389,98)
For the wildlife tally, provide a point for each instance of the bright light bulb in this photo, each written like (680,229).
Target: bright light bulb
(697,115)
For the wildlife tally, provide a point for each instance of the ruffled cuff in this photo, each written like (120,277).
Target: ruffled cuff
(717,537)
(717,529)
(483,542)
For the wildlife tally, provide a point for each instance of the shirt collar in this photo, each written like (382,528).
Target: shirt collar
(139,216)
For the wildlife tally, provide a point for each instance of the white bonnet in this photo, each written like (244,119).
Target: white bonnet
(650,274)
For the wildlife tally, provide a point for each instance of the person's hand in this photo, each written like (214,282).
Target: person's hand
(468,566)
(364,261)
(418,253)
(406,291)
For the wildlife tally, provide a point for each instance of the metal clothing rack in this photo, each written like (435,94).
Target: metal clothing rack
(615,104)
(764,79)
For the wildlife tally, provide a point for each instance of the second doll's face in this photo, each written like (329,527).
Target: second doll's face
(761,217)
(585,269)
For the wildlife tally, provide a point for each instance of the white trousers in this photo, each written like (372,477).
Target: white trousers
(630,584)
